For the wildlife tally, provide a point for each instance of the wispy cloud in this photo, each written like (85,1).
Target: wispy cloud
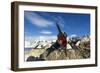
(59,19)
(46,32)
(28,38)
(41,37)
(27,33)
(38,20)
(73,35)
(47,37)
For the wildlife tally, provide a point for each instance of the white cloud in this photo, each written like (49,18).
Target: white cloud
(29,38)
(38,20)
(42,37)
(46,32)
(48,37)
(73,35)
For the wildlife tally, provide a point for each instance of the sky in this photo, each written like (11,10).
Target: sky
(42,25)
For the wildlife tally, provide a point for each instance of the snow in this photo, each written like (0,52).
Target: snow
(38,43)
(68,46)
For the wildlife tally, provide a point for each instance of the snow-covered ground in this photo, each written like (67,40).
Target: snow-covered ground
(38,43)
(47,43)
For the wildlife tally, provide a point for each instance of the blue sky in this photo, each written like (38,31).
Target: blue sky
(43,24)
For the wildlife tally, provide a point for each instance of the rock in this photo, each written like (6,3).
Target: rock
(57,55)
(32,58)
(74,54)
(60,55)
